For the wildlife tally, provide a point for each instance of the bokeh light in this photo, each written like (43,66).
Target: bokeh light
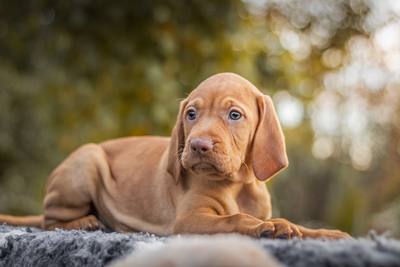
(323,148)
(289,109)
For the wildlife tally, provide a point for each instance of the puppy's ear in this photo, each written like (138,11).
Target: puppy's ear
(269,150)
(177,145)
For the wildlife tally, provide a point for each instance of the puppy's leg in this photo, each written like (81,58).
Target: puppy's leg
(71,190)
(287,230)
(208,223)
(322,233)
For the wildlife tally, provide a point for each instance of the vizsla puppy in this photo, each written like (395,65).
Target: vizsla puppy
(207,178)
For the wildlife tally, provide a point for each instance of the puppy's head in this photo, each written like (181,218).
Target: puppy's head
(224,126)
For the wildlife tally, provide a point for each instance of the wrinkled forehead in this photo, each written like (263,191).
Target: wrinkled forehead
(226,87)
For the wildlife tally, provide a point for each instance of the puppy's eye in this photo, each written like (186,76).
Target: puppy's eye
(234,115)
(191,115)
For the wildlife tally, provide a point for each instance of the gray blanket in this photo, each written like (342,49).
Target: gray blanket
(23,246)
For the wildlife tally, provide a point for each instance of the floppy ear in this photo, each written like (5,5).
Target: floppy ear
(269,150)
(177,145)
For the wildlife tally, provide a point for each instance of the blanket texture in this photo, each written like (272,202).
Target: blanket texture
(24,246)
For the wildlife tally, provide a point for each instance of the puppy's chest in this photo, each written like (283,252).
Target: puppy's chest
(257,205)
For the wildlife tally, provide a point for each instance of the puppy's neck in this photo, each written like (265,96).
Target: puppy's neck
(244,175)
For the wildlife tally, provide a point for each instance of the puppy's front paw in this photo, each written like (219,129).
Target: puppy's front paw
(262,230)
(284,230)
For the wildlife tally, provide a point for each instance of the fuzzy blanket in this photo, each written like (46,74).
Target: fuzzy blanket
(24,246)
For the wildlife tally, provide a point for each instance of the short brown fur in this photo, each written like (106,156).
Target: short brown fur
(207,178)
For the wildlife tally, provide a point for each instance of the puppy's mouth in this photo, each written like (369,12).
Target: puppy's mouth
(205,168)
(213,166)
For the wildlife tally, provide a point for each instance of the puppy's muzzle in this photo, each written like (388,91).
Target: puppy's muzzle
(200,147)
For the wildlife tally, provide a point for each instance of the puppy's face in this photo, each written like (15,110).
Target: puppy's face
(219,121)
(224,125)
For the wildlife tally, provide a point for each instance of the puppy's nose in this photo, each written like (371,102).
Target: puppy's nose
(200,147)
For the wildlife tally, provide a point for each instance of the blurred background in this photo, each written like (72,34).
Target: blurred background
(73,72)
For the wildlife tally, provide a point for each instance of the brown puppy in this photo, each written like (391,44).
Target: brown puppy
(207,178)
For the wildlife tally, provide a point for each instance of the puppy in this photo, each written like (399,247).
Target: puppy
(208,178)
